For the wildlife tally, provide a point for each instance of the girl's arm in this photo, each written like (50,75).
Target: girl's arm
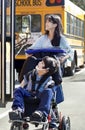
(67,48)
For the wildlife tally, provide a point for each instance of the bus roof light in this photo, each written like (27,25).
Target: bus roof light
(58,1)
(52,1)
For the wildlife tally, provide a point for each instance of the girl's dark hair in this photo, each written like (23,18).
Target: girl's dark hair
(51,64)
(58,30)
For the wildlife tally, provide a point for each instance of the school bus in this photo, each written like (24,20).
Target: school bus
(30,24)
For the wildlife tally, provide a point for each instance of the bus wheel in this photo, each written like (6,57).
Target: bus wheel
(73,67)
(70,71)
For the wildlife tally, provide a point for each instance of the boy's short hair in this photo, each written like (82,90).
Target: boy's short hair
(51,64)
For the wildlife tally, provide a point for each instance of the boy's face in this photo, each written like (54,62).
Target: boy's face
(41,68)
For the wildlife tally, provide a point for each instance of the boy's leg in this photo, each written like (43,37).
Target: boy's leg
(45,101)
(43,110)
(18,101)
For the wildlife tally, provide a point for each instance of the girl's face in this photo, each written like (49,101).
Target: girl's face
(49,25)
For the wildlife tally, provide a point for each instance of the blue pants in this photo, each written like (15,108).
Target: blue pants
(45,99)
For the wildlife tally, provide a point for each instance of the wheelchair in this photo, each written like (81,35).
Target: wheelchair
(55,120)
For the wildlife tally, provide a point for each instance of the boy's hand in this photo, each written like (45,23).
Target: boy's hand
(50,84)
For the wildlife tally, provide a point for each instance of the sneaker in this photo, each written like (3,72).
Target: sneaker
(38,116)
(15,115)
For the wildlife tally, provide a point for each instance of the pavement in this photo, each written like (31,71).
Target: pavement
(4,110)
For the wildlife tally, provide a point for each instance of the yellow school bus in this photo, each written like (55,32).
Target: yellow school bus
(30,24)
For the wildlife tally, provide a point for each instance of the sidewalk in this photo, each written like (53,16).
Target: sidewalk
(4,110)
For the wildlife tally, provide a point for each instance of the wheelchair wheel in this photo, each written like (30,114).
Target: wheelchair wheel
(45,127)
(16,126)
(65,123)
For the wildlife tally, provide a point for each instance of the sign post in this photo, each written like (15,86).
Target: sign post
(3,53)
(12,33)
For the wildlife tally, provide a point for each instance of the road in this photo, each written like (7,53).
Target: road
(73,106)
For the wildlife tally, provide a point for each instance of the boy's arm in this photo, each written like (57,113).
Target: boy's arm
(25,80)
(23,83)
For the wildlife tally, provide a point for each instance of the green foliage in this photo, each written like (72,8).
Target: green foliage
(80,3)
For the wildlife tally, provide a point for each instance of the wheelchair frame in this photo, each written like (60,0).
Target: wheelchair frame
(62,122)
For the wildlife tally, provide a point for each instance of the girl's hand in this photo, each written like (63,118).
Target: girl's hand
(62,59)
(27,55)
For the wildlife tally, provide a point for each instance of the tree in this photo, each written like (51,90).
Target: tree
(80,3)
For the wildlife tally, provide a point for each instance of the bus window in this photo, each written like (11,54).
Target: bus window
(32,22)
(18,24)
(82,27)
(74,26)
(35,23)
(71,25)
(8,25)
(26,20)
(78,27)
(68,23)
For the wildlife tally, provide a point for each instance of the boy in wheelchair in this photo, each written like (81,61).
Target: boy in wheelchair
(36,84)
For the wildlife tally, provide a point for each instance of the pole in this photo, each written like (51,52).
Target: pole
(12,27)
(3,52)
